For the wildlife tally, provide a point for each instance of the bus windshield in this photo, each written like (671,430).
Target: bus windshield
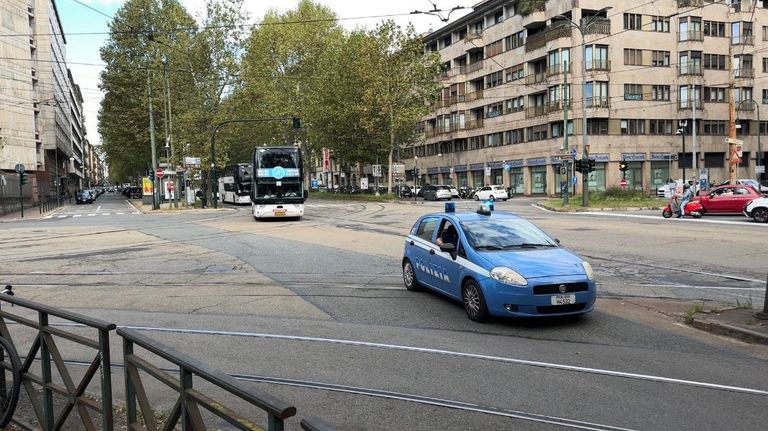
(277,175)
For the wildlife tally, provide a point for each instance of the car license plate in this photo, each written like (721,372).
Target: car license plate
(279,213)
(563,299)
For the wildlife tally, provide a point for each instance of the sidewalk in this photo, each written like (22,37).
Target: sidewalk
(31,213)
(739,323)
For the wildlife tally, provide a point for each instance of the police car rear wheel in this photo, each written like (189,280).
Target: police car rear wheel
(409,276)
(474,302)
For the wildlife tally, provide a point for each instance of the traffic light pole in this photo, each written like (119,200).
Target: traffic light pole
(21,192)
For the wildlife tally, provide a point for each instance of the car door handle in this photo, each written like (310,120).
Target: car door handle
(431,251)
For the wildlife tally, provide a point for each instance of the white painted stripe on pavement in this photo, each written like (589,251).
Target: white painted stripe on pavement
(91,215)
(98,208)
(77,215)
(105,214)
(47,217)
(119,213)
(549,365)
(685,286)
(61,216)
(745,222)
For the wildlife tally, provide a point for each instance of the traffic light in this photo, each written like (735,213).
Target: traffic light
(151,175)
(296,123)
(578,166)
(623,166)
(590,165)
(24,178)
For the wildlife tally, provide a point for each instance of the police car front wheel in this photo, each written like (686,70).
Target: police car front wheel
(409,276)
(474,301)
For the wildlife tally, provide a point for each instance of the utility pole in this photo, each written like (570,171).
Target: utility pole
(155,205)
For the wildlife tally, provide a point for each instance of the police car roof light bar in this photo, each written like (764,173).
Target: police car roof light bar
(450,207)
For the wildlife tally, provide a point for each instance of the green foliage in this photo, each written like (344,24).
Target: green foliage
(617,193)
(527,7)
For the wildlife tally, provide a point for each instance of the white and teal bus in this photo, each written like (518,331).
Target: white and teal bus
(235,184)
(278,186)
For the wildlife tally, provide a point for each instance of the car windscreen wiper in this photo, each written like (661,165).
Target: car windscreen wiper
(529,245)
(489,247)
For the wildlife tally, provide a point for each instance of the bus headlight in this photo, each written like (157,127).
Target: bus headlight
(588,270)
(508,276)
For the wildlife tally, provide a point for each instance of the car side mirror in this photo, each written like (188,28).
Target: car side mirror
(449,248)
(557,240)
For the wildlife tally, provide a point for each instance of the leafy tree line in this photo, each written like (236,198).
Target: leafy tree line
(359,93)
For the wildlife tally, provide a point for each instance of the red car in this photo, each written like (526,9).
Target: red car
(727,199)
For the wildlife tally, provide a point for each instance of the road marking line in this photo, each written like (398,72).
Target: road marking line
(77,215)
(47,217)
(687,286)
(745,222)
(98,208)
(539,364)
(91,215)
(105,214)
(119,213)
(61,216)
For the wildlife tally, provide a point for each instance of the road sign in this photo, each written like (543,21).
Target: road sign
(760,169)
(377,170)
(623,183)
(326,160)
(398,168)
(573,179)
(192,161)
(364,183)
(19,168)
(573,153)
(734,141)
(487,170)
(159,173)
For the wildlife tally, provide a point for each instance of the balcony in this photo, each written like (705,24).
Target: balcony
(535,78)
(690,3)
(598,102)
(599,65)
(34,74)
(473,35)
(745,105)
(598,26)
(557,69)
(690,68)
(690,36)
(557,31)
(473,124)
(474,67)
(536,41)
(535,111)
(32,42)
(744,39)
(684,105)
(744,72)
(37,136)
(469,97)
(30,11)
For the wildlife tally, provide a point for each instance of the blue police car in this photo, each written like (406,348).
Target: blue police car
(496,263)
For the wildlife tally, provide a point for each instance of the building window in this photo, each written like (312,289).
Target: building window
(765,32)
(498,16)
(661,127)
(494,79)
(516,72)
(660,58)
(597,126)
(494,48)
(714,28)
(632,127)
(633,21)
(477,142)
(765,65)
(493,110)
(514,136)
(515,40)
(495,139)
(714,160)
(633,92)
(633,56)
(516,104)
(765,97)
(660,24)
(714,61)
(660,92)
(537,133)
(597,57)
(714,94)
(713,127)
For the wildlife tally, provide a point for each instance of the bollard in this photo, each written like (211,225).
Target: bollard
(763,315)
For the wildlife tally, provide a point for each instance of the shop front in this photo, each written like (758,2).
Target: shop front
(661,169)
(561,175)
(445,173)
(497,173)
(432,176)
(538,167)
(597,178)
(478,174)
(634,173)
(516,177)
(461,175)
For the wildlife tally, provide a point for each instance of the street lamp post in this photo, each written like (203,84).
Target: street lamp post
(582,28)
(681,131)
(759,144)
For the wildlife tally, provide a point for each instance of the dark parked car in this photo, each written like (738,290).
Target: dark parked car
(84,197)
(134,192)
(404,191)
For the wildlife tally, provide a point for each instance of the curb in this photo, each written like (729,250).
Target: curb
(581,209)
(727,330)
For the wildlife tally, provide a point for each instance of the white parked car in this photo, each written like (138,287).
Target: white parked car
(454,191)
(757,209)
(493,193)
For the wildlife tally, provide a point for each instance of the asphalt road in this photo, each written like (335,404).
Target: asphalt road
(315,312)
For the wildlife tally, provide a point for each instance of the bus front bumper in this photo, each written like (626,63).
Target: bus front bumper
(278,211)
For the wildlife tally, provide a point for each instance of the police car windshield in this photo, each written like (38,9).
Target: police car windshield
(505,234)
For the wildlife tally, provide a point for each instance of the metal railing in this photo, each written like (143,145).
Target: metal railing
(44,349)
(690,68)
(691,36)
(187,406)
(600,65)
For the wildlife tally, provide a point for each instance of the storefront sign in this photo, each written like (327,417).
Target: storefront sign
(633,157)
(476,167)
(663,156)
(496,165)
(539,161)
(460,168)
(515,163)
(432,170)
(446,169)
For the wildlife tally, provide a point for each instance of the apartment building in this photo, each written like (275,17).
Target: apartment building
(656,89)
(41,122)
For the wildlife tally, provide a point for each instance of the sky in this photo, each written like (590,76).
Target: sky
(78,16)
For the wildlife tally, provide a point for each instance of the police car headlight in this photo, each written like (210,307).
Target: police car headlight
(588,270)
(508,276)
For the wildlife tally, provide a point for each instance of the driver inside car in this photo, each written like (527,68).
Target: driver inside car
(448,235)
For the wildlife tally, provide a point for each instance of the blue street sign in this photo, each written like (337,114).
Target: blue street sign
(573,152)
(314,184)
(573,180)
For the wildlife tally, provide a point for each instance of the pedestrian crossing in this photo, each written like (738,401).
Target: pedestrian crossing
(87,215)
